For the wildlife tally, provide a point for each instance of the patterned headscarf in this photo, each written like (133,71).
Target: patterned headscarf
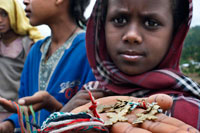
(18,20)
(165,78)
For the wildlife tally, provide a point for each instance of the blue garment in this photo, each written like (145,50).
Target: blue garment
(71,73)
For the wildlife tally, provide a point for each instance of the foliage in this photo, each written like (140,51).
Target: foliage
(191,69)
(191,51)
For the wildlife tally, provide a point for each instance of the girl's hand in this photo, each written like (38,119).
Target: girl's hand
(163,123)
(8,105)
(41,100)
(81,98)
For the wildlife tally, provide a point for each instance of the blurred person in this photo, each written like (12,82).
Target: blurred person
(16,38)
(57,64)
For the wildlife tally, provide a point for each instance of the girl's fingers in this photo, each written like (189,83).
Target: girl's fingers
(162,124)
(30,100)
(159,127)
(125,127)
(41,100)
(175,122)
(169,120)
(36,98)
(147,127)
(8,105)
(164,101)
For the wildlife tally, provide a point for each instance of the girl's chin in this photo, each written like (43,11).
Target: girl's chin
(33,23)
(130,72)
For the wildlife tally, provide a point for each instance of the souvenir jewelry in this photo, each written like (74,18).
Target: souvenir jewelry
(118,111)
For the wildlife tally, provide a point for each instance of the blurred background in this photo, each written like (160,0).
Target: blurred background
(190,60)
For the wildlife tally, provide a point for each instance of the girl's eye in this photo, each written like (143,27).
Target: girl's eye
(151,24)
(3,14)
(120,21)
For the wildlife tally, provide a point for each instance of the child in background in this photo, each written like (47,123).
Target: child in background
(57,64)
(16,38)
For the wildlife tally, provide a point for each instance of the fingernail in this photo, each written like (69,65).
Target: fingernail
(21,101)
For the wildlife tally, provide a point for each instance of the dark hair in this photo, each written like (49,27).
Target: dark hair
(180,10)
(77,9)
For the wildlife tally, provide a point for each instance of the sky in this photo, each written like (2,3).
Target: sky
(45,31)
(196,13)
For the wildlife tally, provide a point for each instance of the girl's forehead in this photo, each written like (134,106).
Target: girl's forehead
(145,5)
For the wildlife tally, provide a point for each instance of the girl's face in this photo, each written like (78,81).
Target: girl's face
(138,33)
(4,22)
(39,11)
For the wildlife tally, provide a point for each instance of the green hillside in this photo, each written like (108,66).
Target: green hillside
(190,59)
(191,49)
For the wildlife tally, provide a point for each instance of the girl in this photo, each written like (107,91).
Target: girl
(57,64)
(16,38)
(134,49)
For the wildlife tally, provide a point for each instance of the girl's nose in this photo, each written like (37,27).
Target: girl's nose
(25,2)
(132,36)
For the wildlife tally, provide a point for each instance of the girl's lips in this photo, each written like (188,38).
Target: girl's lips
(131,58)
(28,13)
(1,27)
